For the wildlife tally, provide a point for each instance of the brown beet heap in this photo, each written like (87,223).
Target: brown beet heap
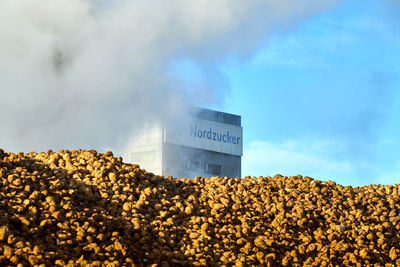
(86,208)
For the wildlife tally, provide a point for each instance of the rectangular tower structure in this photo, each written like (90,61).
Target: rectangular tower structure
(203,143)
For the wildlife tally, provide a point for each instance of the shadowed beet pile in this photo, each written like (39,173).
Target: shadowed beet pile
(86,208)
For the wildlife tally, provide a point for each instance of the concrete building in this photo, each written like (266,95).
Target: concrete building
(201,143)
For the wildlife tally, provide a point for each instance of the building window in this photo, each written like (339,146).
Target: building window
(212,168)
(144,156)
(192,165)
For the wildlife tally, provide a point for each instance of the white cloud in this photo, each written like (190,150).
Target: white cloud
(285,52)
(305,48)
(315,158)
(321,159)
(389,173)
(389,178)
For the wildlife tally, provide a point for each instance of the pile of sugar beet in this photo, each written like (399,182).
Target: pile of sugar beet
(83,208)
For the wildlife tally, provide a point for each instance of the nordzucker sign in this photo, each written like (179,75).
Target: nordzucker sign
(204,134)
(213,135)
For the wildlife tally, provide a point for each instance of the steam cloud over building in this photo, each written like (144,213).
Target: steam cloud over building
(89,74)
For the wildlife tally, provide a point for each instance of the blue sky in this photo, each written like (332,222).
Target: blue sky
(322,99)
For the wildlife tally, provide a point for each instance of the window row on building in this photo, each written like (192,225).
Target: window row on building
(193,165)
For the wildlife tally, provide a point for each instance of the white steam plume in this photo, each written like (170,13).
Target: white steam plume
(86,74)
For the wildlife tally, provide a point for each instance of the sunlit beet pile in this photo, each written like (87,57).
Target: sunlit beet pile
(86,208)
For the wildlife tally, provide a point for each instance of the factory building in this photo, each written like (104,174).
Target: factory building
(203,143)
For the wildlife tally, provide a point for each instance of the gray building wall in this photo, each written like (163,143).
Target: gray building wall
(181,161)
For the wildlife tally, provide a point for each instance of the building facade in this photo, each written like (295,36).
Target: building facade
(203,143)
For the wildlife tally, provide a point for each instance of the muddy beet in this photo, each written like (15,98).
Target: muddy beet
(86,208)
